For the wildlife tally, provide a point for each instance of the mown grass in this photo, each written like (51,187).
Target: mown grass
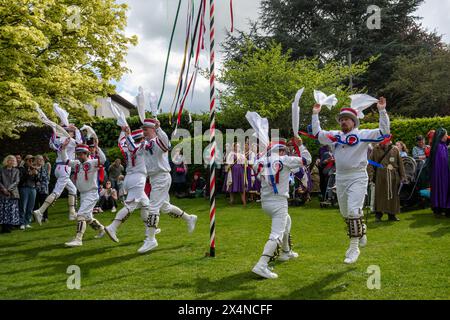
(413,256)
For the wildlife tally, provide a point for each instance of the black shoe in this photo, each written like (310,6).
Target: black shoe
(393,218)
(5,228)
(378,216)
(446,212)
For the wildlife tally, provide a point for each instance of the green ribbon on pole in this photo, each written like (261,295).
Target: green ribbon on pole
(168,54)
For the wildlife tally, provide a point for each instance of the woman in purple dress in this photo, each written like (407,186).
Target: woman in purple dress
(235,175)
(440,174)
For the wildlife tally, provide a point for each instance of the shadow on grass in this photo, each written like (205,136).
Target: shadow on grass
(383,224)
(17,291)
(236,282)
(11,243)
(317,290)
(439,232)
(427,220)
(245,285)
(65,225)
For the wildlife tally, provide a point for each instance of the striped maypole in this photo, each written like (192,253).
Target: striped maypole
(212,119)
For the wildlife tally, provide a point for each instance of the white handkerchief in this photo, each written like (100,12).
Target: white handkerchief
(140,102)
(361,102)
(62,114)
(90,132)
(60,132)
(153,98)
(324,100)
(296,112)
(118,114)
(260,125)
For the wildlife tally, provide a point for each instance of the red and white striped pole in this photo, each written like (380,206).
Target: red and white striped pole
(212,119)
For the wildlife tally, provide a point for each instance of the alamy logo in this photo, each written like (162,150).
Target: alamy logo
(374,280)
(374,20)
(74,280)
(74,19)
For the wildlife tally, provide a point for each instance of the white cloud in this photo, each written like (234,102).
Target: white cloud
(435,15)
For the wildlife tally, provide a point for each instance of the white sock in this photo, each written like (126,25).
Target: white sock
(81,229)
(175,210)
(150,233)
(286,247)
(120,217)
(269,251)
(354,243)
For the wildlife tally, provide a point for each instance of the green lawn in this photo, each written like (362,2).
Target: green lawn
(413,256)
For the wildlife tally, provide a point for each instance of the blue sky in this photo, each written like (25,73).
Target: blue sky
(151,21)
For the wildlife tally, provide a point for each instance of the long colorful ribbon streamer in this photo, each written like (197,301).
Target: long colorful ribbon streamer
(197,55)
(168,54)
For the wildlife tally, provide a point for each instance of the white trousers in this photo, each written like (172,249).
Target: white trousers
(88,200)
(277,209)
(159,196)
(351,188)
(134,185)
(62,174)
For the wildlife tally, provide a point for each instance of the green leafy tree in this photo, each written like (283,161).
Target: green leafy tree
(331,30)
(420,85)
(266,81)
(65,51)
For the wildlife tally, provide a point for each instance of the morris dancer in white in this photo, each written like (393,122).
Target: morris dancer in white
(86,179)
(350,148)
(62,173)
(133,148)
(62,170)
(274,170)
(157,164)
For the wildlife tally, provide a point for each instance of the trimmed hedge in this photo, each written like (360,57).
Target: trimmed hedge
(33,141)
(407,130)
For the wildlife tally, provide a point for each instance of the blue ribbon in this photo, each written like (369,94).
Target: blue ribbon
(346,142)
(376,164)
(272,178)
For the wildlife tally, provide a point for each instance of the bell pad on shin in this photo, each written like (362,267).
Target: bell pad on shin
(126,216)
(152,221)
(96,225)
(174,215)
(355,228)
(81,226)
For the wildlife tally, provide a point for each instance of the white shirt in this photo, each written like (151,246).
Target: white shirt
(133,154)
(306,157)
(156,153)
(306,154)
(57,142)
(281,165)
(235,158)
(351,158)
(86,173)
